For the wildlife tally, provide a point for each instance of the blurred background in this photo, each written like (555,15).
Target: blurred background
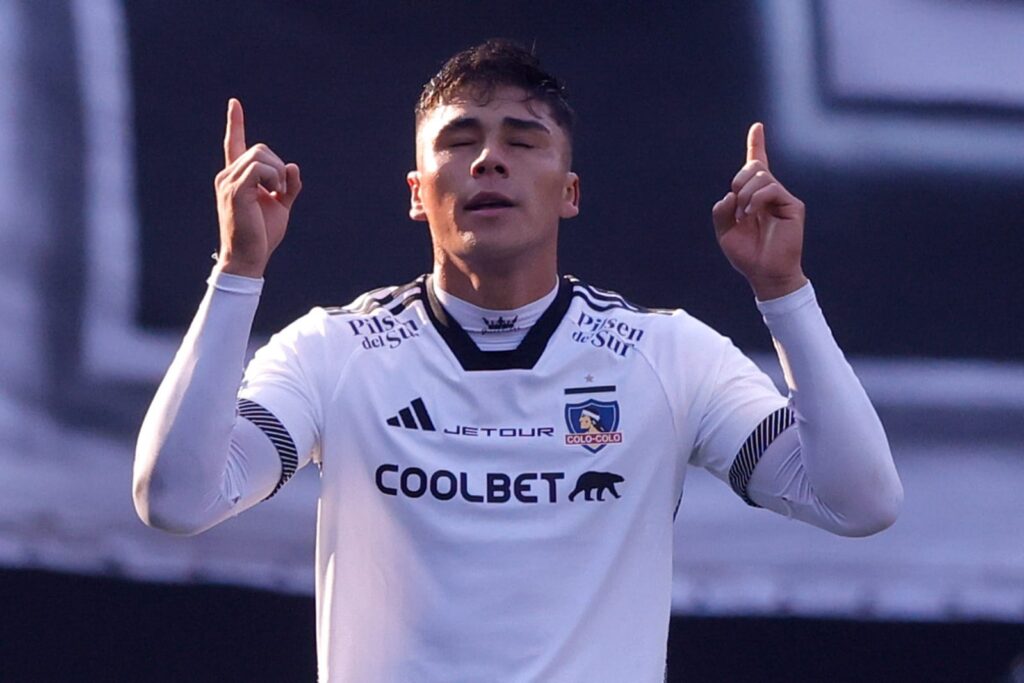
(900,123)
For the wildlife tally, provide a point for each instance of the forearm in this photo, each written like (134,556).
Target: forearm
(192,462)
(840,475)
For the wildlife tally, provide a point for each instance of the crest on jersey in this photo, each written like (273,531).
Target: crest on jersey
(592,424)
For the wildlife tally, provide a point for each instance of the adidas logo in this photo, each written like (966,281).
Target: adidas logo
(406,419)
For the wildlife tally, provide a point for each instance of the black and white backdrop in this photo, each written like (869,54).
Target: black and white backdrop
(900,123)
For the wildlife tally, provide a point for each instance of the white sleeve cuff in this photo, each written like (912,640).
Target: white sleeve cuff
(787,303)
(237,284)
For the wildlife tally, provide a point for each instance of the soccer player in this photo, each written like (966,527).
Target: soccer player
(472,526)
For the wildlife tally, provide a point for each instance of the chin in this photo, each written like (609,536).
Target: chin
(473,245)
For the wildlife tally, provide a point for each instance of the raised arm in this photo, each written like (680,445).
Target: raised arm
(196,463)
(833,467)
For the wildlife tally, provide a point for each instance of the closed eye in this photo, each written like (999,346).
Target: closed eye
(524,145)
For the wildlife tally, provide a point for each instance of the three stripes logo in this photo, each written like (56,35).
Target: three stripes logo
(416,418)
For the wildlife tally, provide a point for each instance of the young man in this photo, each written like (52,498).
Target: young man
(473,526)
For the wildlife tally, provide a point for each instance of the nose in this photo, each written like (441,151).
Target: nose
(487,163)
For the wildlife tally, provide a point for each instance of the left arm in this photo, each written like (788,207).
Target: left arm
(833,468)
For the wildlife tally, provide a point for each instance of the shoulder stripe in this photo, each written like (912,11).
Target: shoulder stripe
(368,302)
(373,304)
(278,435)
(602,300)
(753,448)
(604,294)
(405,303)
(607,299)
(600,307)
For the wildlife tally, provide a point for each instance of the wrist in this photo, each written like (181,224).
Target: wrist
(766,289)
(233,265)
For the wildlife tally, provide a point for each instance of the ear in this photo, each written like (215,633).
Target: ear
(416,211)
(570,196)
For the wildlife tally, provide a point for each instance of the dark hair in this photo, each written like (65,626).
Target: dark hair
(484,68)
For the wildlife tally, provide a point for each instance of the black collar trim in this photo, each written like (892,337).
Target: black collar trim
(523,357)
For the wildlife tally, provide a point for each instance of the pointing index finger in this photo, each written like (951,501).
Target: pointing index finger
(756,150)
(234,134)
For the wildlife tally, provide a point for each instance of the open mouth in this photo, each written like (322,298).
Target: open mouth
(488,200)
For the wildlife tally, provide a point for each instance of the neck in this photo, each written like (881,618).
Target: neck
(498,287)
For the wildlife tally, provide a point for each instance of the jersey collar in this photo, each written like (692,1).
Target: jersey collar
(523,357)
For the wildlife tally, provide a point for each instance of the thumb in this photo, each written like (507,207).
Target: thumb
(756,150)
(723,214)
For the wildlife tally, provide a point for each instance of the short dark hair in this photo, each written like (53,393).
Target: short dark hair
(486,67)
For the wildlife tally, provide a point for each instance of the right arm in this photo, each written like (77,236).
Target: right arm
(196,462)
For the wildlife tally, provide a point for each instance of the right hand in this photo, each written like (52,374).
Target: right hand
(255,193)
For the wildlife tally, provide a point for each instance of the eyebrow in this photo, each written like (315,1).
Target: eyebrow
(473,123)
(525,125)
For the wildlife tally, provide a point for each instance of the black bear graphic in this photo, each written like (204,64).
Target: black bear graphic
(589,482)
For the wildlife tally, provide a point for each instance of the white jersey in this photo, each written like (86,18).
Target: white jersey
(503,515)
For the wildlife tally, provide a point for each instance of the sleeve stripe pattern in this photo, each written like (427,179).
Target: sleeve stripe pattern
(278,435)
(754,447)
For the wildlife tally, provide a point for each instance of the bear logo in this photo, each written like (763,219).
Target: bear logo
(595,484)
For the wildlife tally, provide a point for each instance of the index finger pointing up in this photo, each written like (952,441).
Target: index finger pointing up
(234,135)
(756,150)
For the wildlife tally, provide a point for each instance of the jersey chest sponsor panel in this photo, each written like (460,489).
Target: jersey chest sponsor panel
(583,426)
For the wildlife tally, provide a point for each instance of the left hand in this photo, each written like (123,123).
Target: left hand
(760,225)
